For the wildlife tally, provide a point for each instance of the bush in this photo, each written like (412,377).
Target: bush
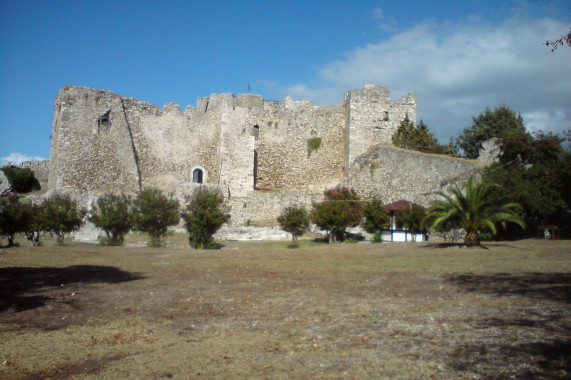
(22,180)
(205,213)
(62,216)
(375,218)
(153,213)
(412,218)
(12,219)
(113,214)
(340,209)
(294,220)
(35,222)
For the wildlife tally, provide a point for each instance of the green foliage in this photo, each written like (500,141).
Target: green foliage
(474,210)
(313,144)
(153,213)
(374,218)
(412,219)
(538,179)
(22,180)
(35,225)
(62,216)
(294,220)
(12,219)
(113,214)
(409,136)
(502,123)
(340,209)
(204,215)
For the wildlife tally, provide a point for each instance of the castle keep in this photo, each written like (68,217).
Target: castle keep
(260,153)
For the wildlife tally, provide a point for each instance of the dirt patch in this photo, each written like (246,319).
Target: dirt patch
(252,311)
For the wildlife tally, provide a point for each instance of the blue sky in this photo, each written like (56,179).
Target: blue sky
(459,56)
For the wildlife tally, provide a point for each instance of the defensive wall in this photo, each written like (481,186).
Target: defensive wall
(104,142)
(263,155)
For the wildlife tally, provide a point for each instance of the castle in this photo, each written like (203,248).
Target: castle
(263,155)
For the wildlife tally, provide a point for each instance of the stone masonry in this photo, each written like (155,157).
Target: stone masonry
(254,150)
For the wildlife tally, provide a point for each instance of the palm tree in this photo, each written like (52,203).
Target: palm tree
(474,210)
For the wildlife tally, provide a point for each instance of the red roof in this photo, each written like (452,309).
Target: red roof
(398,205)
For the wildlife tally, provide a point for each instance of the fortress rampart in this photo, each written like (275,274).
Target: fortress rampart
(263,155)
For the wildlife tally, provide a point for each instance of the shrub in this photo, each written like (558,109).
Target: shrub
(35,222)
(154,213)
(62,216)
(12,219)
(22,180)
(375,218)
(313,144)
(412,218)
(294,220)
(340,209)
(205,213)
(113,214)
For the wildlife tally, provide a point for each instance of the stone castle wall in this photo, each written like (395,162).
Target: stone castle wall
(255,151)
(41,171)
(394,174)
(105,142)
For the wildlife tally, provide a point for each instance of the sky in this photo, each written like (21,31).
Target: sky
(458,56)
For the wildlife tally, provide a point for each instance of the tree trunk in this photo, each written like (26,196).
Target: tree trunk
(472,239)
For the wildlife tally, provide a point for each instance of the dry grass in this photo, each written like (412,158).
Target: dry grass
(256,310)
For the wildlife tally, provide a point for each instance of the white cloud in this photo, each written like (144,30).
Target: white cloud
(18,158)
(458,70)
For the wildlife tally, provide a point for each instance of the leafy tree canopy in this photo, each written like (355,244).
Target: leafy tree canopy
(205,213)
(12,219)
(538,179)
(22,180)
(409,136)
(502,123)
(340,209)
(294,220)
(154,213)
(412,218)
(62,216)
(375,217)
(113,213)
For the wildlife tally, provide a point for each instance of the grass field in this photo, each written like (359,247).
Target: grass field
(259,310)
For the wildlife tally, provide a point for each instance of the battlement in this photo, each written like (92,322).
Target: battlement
(103,141)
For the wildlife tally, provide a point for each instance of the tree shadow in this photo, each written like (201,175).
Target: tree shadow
(554,286)
(441,245)
(549,353)
(18,284)
(549,359)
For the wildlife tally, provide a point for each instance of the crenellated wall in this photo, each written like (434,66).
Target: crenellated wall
(105,142)
(254,150)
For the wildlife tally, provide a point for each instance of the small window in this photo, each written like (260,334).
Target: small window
(256,131)
(104,122)
(197,176)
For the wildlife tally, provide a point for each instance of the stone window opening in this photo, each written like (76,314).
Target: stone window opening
(256,131)
(197,176)
(386,118)
(104,122)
